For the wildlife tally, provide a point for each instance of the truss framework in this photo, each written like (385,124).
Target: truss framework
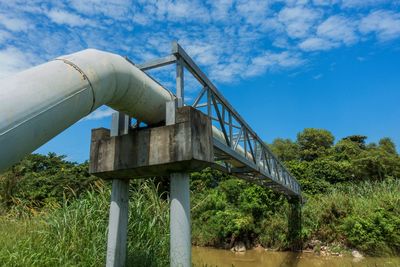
(238,150)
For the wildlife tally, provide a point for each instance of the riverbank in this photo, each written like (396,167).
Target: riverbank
(354,216)
(260,258)
(52,212)
(74,233)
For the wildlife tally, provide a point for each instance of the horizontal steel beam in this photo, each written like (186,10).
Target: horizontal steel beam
(234,155)
(156,63)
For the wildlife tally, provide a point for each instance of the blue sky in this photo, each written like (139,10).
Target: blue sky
(284,65)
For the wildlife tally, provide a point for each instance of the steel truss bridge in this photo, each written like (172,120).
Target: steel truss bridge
(238,150)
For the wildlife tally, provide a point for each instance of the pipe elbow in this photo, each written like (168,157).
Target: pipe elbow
(121,85)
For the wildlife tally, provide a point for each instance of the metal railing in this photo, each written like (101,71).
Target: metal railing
(238,150)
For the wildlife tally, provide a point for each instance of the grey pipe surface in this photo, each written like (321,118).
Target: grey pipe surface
(41,102)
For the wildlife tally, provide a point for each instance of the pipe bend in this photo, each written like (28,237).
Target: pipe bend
(119,84)
(39,103)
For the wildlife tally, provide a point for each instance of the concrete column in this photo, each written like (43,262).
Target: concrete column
(118,218)
(180,229)
(294,224)
(118,224)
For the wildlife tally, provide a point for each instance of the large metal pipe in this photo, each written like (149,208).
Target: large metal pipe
(39,103)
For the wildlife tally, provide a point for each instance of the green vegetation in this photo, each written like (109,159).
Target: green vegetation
(365,216)
(352,191)
(63,229)
(52,212)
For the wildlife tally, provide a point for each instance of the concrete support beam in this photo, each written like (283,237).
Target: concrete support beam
(180,229)
(184,146)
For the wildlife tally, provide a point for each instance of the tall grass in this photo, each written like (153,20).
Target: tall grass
(75,234)
(365,216)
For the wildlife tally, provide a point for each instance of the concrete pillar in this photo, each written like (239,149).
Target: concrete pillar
(118,224)
(180,229)
(294,224)
(118,218)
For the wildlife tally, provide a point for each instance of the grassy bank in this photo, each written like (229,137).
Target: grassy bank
(74,234)
(364,216)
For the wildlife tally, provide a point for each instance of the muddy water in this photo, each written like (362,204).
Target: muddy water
(257,258)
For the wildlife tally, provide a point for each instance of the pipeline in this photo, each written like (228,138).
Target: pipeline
(41,102)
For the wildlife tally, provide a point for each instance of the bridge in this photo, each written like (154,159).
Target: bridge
(238,149)
(155,132)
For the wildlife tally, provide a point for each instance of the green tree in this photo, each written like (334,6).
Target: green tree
(310,182)
(346,149)
(314,143)
(285,149)
(388,145)
(39,180)
(357,139)
(376,164)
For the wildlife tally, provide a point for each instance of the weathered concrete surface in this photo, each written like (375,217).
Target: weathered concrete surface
(185,146)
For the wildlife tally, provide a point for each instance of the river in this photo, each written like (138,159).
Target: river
(211,257)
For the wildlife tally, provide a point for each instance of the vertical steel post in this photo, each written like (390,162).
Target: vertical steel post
(180,229)
(180,94)
(118,218)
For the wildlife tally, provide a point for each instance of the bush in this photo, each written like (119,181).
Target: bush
(39,181)
(233,210)
(365,216)
(377,234)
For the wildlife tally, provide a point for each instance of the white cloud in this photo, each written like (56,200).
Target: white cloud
(325,2)
(20,6)
(253,11)
(14,60)
(204,53)
(100,113)
(63,17)
(13,23)
(270,60)
(298,20)
(4,35)
(363,3)
(186,10)
(317,44)
(228,71)
(281,42)
(385,24)
(116,9)
(318,76)
(170,11)
(220,9)
(141,19)
(338,28)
